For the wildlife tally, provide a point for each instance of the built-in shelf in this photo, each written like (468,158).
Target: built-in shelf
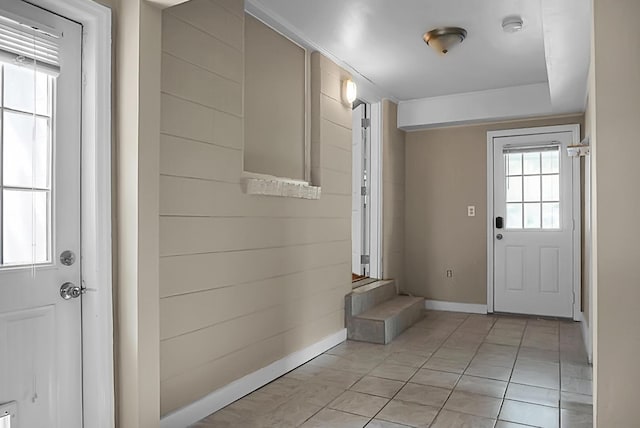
(269,185)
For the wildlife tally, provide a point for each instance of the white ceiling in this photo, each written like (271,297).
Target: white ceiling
(381,41)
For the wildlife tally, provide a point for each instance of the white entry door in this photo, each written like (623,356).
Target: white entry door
(533,225)
(40,331)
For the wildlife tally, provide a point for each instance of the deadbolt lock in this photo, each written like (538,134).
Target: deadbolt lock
(67,258)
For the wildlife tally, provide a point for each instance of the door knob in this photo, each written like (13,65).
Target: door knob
(70,291)
(499,236)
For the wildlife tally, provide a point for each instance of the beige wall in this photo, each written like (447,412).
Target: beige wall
(393,199)
(274,109)
(616,151)
(244,279)
(446,170)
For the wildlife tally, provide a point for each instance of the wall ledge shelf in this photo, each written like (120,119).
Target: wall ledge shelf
(269,185)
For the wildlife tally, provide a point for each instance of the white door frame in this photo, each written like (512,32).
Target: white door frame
(575,139)
(375,199)
(96,237)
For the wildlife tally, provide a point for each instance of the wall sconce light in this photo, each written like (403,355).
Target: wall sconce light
(579,150)
(349,91)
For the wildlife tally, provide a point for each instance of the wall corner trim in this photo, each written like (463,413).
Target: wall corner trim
(219,398)
(439,305)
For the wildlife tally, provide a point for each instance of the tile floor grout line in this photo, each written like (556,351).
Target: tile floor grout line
(513,368)
(419,368)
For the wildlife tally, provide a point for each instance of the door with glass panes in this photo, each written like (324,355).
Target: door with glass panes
(533,229)
(40,283)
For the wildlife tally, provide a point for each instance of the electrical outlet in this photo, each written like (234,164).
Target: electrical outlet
(449,273)
(471,211)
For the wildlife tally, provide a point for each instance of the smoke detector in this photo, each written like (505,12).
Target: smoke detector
(443,39)
(512,24)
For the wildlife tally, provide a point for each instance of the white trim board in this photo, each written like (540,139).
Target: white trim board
(220,398)
(470,308)
(586,337)
(97,311)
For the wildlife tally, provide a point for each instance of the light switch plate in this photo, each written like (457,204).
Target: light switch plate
(471,211)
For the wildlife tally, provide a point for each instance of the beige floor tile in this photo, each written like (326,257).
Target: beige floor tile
(379,423)
(474,404)
(580,371)
(335,419)
(257,403)
(411,414)
(393,371)
(533,394)
(575,419)
(358,403)
(284,387)
(449,419)
(290,414)
(446,365)
(318,393)
(576,385)
(488,371)
(407,359)
(378,386)
(530,414)
(342,379)
(535,354)
(573,401)
(227,418)
(435,378)
(537,373)
(482,386)
(505,424)
(423,394)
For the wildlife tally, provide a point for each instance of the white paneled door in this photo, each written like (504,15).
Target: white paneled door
(533,225)
(40,282)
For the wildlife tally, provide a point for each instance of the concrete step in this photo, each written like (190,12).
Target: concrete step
(367,296)
(385,321)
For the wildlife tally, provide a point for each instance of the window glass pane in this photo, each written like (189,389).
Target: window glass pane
(551,162)
(551,215)
(19,86)
(24,226)
(551,187)
(514,189)
(531,162)
(532,216)
(514,216)
(532,188)
(514,164)
(23,167)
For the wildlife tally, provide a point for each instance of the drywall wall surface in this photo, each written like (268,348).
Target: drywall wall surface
(274,109)
(244,280)
(617,202)
(393,200)
(446,171)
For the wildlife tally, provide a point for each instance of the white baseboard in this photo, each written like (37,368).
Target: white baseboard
(471,308)
(219,398)
(586,337)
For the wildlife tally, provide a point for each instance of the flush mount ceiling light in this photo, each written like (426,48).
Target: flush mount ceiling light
(442,39)
(512,24)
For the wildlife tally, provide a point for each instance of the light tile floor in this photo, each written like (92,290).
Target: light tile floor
(449,370)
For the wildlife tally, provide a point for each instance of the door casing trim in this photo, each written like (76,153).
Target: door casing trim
(96,214)
(577,271)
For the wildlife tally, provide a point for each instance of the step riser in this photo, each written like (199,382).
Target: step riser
(384,331)
(361,302)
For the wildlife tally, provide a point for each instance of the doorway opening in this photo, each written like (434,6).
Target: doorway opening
(365,193)
(533,230)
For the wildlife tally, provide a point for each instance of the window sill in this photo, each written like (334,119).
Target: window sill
(269,185)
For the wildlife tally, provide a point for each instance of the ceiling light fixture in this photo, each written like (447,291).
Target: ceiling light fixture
(512,24)
(349,91)
(442,39)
